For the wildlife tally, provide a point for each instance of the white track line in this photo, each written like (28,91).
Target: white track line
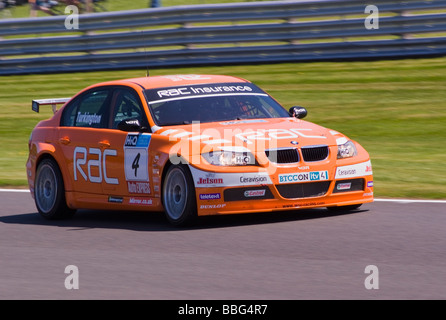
(14,190)
(410,200)
(376,200)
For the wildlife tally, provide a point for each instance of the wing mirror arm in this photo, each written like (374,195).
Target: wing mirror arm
(130,125)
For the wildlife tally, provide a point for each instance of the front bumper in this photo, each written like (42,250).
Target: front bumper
(232,193)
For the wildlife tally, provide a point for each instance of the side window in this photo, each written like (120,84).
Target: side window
(90,110)
(127,106)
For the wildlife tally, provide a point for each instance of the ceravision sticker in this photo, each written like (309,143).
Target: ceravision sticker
(354,170)
(136,162)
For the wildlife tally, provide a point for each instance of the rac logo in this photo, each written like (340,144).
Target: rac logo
(80,164)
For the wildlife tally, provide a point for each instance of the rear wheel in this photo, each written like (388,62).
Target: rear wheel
(49,192)
(179,200)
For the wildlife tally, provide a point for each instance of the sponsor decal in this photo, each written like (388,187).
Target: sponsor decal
(137,140)
(202,90)
(370,184)
(368,194)
(344,186)
(303,176)
(115,199)
(213,206)
(355,170)
(277,134)
(96,159)
(306,204)
(210,181)
(253,180)
(140,201)
(136,157)
(254,193)
(210,196)
(138,187)
(88,118)
(187,77)
(243,122)
(204,179)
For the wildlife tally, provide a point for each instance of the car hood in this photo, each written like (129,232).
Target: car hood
(253,134)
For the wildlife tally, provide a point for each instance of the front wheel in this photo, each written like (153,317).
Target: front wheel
(49,192)
(179,200)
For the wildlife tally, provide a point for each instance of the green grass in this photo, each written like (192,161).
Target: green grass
(395,109)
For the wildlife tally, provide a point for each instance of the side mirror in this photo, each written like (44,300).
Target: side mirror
(298,112)
(129,125)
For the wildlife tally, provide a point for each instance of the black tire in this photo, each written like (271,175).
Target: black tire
(180,204)
(345,208)
(49,191)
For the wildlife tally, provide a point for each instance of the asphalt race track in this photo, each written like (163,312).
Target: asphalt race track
(309,254)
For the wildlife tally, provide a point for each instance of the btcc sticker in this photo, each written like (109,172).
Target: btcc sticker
(205,179)
(303,176)
(136,157)
(354,170)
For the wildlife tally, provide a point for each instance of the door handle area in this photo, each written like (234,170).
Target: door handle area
(104,144)
(64,140)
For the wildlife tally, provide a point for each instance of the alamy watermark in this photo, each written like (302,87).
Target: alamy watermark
(72,20)
(372,20)
(72,280)
(372,280)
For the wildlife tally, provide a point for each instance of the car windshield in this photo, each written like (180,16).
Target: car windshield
(211,102)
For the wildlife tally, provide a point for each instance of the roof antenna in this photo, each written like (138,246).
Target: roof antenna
(147,56)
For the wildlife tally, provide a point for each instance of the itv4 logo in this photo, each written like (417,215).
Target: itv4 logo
(318,175)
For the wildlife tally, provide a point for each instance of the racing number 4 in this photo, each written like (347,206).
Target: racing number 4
(135,164)
(136,157)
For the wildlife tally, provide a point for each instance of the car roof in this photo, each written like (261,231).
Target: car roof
(161,81)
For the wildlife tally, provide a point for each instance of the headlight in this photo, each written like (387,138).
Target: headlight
(229,158)
(346,150)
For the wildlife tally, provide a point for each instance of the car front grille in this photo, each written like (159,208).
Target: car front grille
(286,155)
(303,190)
(314,153)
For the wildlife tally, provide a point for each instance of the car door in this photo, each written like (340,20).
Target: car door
(131,142)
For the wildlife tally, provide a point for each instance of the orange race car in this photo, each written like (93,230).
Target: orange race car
(189,145)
